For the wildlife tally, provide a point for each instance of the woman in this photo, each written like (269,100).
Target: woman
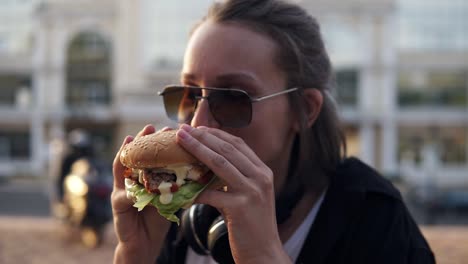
(289,147)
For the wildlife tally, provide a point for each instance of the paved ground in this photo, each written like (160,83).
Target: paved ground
(29,236)
(449,243)
(38,240)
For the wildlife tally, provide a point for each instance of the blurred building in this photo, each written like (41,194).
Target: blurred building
(402,83)
(83,64)
(432,90)
(401,72)
(16,90)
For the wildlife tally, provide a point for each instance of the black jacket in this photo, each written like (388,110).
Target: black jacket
(362,220)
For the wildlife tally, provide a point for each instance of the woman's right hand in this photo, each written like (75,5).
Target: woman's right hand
(140,234)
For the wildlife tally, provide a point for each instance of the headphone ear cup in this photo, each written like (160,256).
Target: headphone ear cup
(218,242)
(195,225)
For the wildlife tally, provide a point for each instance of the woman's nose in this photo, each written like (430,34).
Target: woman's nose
(203,116)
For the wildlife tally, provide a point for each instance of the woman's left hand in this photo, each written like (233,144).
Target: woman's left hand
(248,205)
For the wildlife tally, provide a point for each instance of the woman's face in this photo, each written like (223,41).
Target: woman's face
(233,56)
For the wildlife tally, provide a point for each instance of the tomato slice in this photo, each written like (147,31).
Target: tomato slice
(205,178)
(128,172)
(174,187)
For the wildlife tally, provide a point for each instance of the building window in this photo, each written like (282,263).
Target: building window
(347,87)
(450,143)
(342,36)
(10,85)
(165,31)
(432,25)
(15,145)
(88,71)
(432,88)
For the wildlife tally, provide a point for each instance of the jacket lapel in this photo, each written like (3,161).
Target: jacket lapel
(341,205)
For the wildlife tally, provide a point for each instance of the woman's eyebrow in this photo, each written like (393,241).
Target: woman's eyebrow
(240,76)
(188,77)
(228,77)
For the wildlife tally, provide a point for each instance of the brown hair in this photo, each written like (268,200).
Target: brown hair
(302,56)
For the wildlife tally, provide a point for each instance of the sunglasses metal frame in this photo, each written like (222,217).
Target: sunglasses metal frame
(252,99)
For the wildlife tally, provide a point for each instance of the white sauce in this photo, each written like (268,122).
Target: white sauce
(128,184)
(181,171)
(166,195)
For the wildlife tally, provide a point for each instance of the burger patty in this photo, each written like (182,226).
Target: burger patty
(152,179)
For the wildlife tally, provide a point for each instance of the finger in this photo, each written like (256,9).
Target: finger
(218,199)
(148,129)
(117,167)
(120,201)
(226,149)
(236,142)
(217,163)
(155,223)
(131,225)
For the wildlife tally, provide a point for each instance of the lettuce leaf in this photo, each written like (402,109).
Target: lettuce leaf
(183,198)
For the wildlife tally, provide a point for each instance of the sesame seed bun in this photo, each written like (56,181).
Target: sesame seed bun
(155,150)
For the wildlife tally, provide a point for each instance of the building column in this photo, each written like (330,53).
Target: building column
(49,86)
(388,57)
(39,91)
(36,129)
(128,72)
(367,90)
(367,139)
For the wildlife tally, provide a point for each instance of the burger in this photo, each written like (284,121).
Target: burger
(162,174)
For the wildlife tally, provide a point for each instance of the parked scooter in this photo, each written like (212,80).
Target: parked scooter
(86,201)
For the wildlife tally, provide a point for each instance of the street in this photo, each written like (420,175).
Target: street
(39,240)
(30,235)
(449,243)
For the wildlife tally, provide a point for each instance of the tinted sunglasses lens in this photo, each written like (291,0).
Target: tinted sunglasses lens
(179,103)
(230,108)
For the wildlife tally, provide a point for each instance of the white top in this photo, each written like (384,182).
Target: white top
(294,244)
(292,247)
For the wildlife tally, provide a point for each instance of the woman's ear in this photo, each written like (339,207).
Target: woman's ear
(313,104)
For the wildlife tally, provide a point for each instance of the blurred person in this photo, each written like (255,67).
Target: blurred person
(57,149)
(292,194)
(79,146)
(83,187)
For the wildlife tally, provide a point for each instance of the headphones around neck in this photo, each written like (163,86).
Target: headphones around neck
(206,233)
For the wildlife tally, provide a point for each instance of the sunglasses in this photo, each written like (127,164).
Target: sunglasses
(229,107)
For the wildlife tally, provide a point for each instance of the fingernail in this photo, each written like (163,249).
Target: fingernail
(149,128)
(186,127)
(128,139)
(182,134)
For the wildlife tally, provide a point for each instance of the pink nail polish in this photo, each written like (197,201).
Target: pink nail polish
(183,134)
(186,128)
